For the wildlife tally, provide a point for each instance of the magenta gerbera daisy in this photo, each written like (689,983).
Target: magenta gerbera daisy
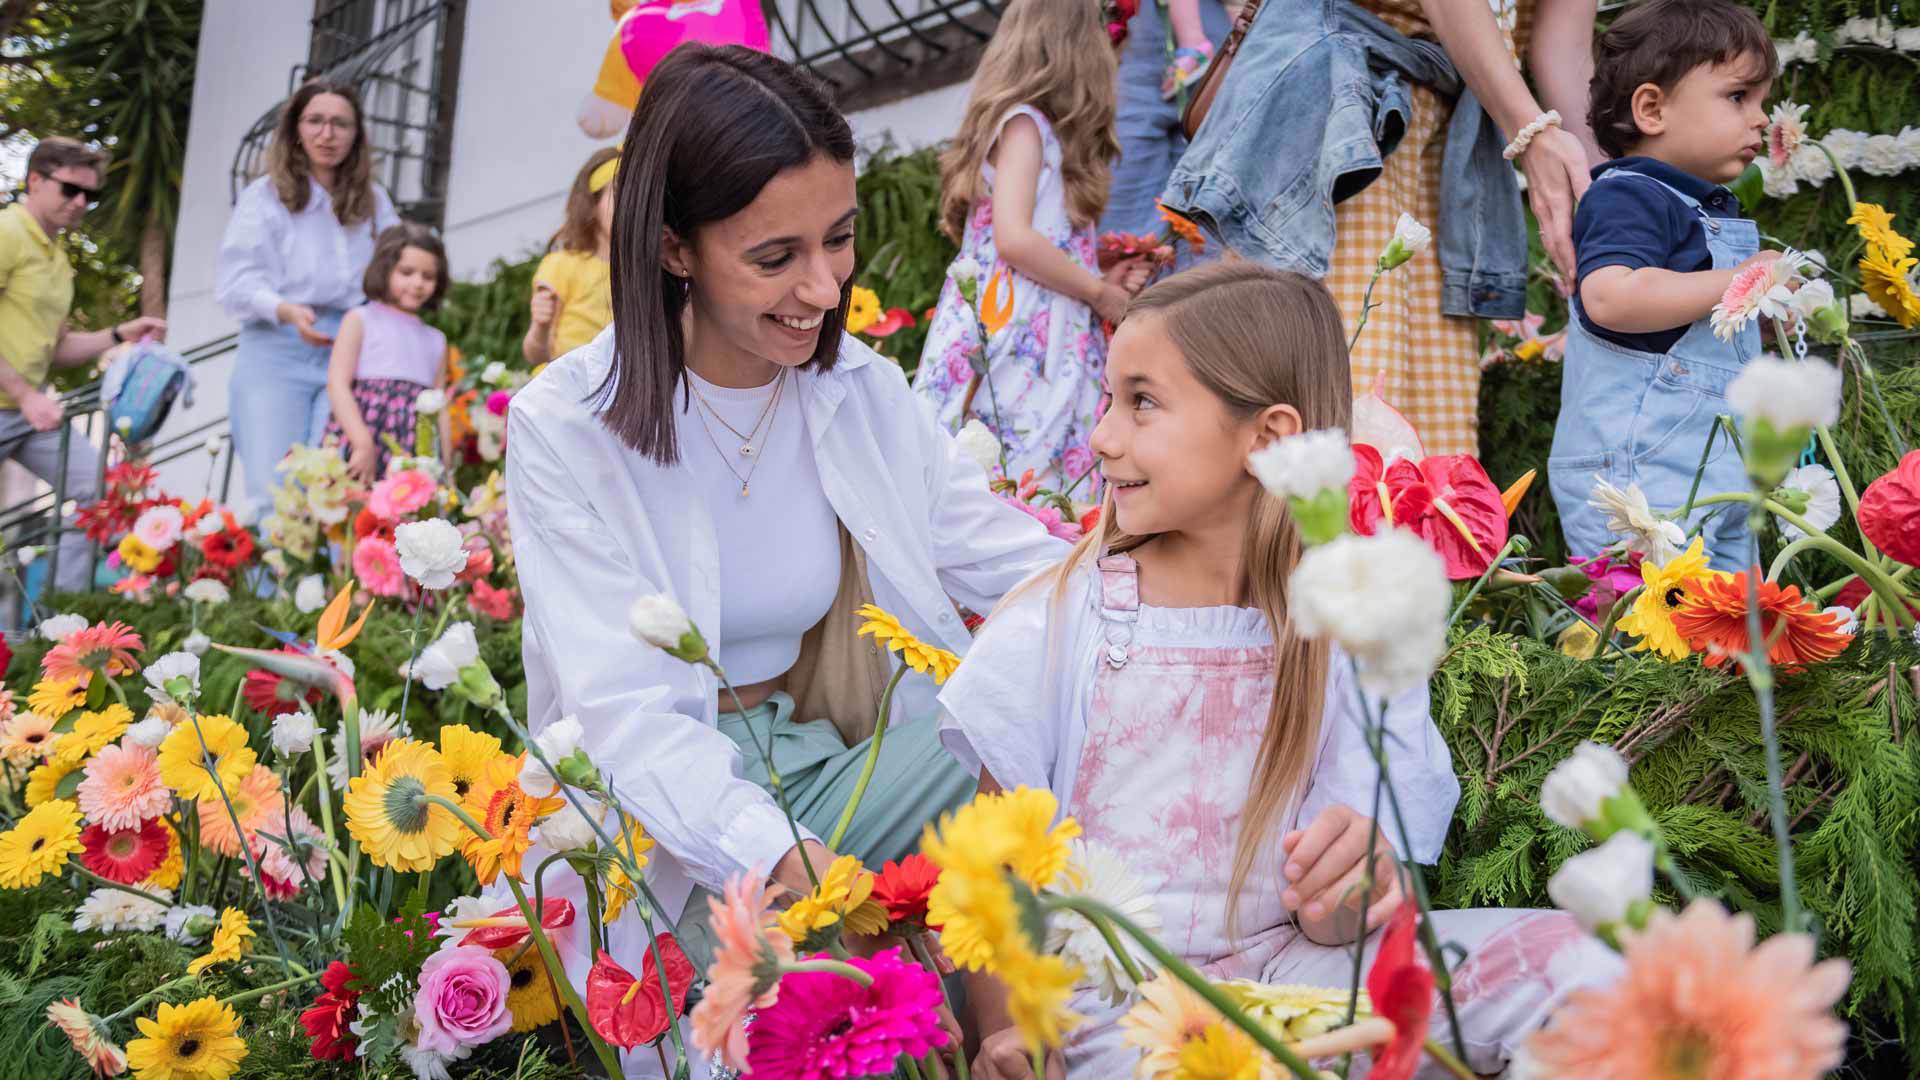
(124,855)
(122,787)
(828,1027)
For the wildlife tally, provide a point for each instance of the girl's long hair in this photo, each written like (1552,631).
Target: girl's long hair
(581,229)
(288,167)
(1256,337)
(1054,55)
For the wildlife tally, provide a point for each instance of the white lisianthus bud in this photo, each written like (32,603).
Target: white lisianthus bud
(431,552)
(1574,791)
(660,621)
(1602,887)
(310,595)
(293,733)
(197,643)
(208,591)
(965,272)
(174,665)
(430,401)
(150,730)
(977,442)
(1410,238)
(57,628)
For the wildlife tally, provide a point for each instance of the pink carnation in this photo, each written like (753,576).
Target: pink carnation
(462,1000)
(159,526)
(826,1026)
(377,565)
(400,494)
(491,602)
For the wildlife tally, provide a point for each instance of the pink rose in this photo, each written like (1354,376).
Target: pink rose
(462,1000)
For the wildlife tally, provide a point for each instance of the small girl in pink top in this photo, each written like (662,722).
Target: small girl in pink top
(384,357)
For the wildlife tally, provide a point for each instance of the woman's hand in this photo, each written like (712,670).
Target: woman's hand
(1556,166)
(1326,865)
(1003,1056)
(301,318)
(362,458)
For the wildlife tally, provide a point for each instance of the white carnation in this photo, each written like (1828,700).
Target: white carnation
(659,620)
(976,441)
(310,595)
(566,829)
(169,667)
(431,552)
(1787,394)
(494,373)
(438,665)
(430,401)
(197,643)
(1574,790)
(557,742)
(57,627)
(1381,598)
(293,733)
(207,591)
(1599,886)
(112,911)
(149,730)
(1302,466)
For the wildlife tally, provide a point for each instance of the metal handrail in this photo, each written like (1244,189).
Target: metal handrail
(38,518)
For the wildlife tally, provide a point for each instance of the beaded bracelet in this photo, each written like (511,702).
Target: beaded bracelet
(1550,118)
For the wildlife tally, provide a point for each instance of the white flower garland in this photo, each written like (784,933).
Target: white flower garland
(1875,155)
(1880,33)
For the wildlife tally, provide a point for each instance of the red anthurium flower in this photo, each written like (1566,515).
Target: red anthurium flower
(903,887)
(1890,511)
(6,656)
(1402,991)
(627,1011)
(1448,500)
(512,927)
(327,1018)
(894,321)
(269,694)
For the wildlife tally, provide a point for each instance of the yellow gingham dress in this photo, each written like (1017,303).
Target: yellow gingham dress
(1428,364)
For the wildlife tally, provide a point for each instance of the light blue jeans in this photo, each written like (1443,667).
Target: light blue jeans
(1148,125)
(277,398)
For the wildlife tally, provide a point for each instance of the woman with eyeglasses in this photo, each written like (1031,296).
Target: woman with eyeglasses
(291,264)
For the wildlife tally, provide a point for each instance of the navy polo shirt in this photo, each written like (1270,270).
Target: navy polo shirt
(1635,224)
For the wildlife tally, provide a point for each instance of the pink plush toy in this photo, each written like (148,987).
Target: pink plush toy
(646,32)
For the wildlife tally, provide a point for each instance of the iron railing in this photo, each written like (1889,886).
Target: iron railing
(39,519)
(872,51)
(404,58)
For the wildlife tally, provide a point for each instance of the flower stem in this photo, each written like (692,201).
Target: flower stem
(1618,609)
(873,759)
(1858,355)
(837,967)
(1448,1062)
(1480,583)
(141,1001)
(325,799)
(119,695)
(1846,484)
(1760,676)
(263,991)
(413,657)
(773,771)
(1366,307)
(246,850)
(1846,182)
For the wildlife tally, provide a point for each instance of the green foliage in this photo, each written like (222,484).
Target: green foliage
(487,319)
(902,254)
(381,948)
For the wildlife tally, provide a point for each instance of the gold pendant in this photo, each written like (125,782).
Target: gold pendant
(743,490)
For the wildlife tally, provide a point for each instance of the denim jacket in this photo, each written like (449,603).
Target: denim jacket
(1317,98)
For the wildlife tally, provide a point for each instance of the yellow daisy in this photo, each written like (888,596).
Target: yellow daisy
(531,996)
(916,654)
(1011,830)
(1876,228)
(1884,277)
(229,941)
(508,814)
(39,844)
(468,752)
(1039,989)
(620,888)
(388,811)
(863,310)
(55,698)
(167,874)
(183,760)
(93,732)
(1651,619)
(45,781)
(195,1041)
(845,892)
(1221,1053)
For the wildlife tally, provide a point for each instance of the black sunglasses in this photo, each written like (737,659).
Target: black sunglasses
(69,189)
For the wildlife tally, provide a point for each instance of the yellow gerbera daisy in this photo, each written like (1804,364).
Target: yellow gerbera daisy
(508,814)
(845,892)
(55,698)
(1884,277)
(916,654)
(863,310)
(1294,1012)
(43,783)
(468,752)
(1167,1016)
(1039,989)
(388,811)
(1220,1053)
(229,941)
(39,844)
(195,1041)
(183,760)
(1664,586)
(620,888)
(167,874)
(531,996)
(93,732)
(1876,228)
(1011,830)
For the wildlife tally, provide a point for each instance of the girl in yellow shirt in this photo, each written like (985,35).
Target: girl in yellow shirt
(572,292)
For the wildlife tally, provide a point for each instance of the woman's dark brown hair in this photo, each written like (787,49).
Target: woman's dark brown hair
(386,255)
(1658,42)
(289,168)
(581,230)
(713,126)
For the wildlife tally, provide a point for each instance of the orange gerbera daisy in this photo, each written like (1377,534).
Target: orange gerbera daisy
(745,973)
(1700,1001)
(106,647)
(1183,228)
(1713,619)
(257,802)
(508,814)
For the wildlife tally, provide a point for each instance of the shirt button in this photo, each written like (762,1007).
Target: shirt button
(870,535)
(946,617)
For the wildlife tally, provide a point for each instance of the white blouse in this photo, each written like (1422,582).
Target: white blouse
(272,256)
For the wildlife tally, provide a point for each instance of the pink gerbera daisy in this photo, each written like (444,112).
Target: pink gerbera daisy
(107,647)
(1700,1001)
(377,565)
(281,869)
(400,494)
(1786,133)
(257,802)
(1761,289)
(745,973)
(827,1027)
(122,787)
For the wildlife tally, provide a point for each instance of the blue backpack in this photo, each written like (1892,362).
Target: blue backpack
(140,389)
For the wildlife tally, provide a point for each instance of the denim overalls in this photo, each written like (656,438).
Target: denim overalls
(1633,417)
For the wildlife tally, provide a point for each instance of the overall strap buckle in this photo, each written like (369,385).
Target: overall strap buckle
(1119,605)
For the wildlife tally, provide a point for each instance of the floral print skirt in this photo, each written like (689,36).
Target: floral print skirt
(386,406)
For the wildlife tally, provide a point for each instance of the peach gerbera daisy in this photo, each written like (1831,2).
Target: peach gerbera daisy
(745,973)
(257,802)
(122,787)
(1163,1021)
(25,738)
(1700,1001)
(108,648)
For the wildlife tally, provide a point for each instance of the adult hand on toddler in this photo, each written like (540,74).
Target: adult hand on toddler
(1556,166)
(545,306)
(1326,864)
(362,460)
(1003,1056)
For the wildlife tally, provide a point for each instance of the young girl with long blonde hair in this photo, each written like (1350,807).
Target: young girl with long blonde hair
(1154,685)
(1022,187)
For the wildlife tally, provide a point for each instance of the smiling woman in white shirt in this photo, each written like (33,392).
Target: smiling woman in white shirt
(290,266)
(725,442)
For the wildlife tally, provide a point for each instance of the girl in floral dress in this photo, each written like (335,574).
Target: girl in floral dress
(385,356)
(1153,685)
(1022,187)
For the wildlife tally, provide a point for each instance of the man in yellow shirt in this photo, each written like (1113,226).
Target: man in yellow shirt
(36,291)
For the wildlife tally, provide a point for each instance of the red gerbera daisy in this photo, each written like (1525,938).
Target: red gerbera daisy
(105,647)
(229,547)
(1855,592)
(1713,619)
(124,856)
(327,1018)
(903,887)
(269,694)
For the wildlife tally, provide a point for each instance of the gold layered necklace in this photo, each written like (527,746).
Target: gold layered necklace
(747,449)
